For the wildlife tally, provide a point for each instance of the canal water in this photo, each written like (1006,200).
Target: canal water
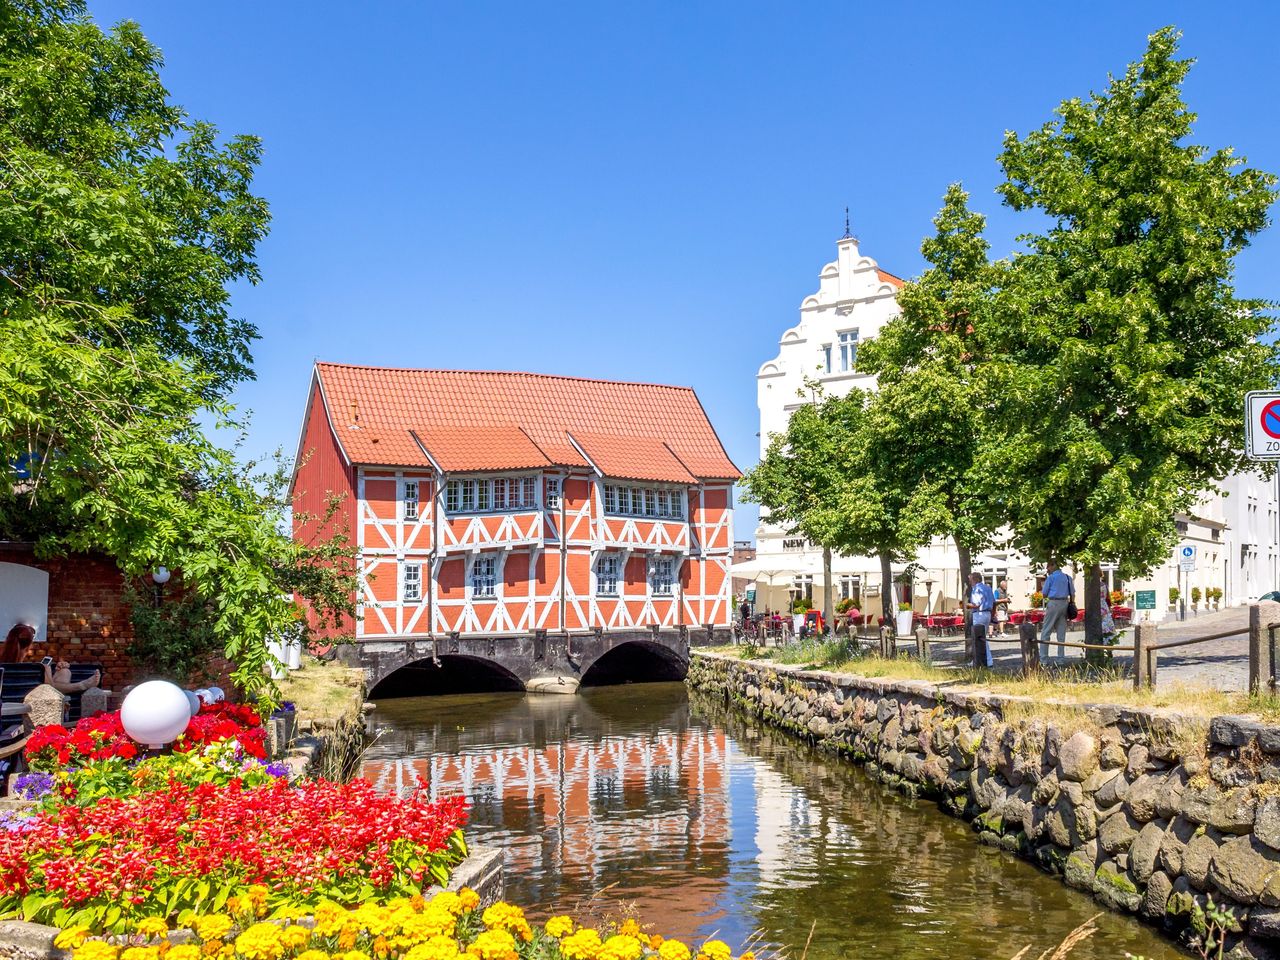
(650,799)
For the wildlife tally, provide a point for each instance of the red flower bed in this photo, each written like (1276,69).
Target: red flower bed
(100,737)
(159,853)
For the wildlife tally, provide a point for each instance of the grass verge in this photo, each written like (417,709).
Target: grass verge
(324,692)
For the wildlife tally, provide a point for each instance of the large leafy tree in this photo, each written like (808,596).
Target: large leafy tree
(122,225)
(819,479)
(1122,353)
(930,409)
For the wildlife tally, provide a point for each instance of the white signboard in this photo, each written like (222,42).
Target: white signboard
(1262,424)
(1187,558)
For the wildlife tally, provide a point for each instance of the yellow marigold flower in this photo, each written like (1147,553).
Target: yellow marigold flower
(673,950)
(716,950)
(152,927)
(262,941)
(503,916)
(330,918)
(559,927)
(96,950)
(437,948)
(630,928)
(447,900)
(621,946)
(211,948)
(71,938)
(347,938)
(749,955)
(470,899)
(257,895)
(354,955)
(139,953)
(295,936)
(582,945)
(430,923)
(494,945)
(183,951)
(212,927)
(655,941)
(418,901)
(227,952)
(313,955)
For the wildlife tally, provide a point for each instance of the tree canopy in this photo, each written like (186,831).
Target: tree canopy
(123,224)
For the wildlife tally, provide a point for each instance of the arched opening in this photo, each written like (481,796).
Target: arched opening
(636,661)
(452,673)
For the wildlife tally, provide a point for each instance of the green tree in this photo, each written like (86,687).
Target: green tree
(817,479)
(930,410)
(122,224)
(1122,353)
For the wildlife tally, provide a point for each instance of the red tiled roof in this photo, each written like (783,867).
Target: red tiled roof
(887,277)
(489,420)
(633,458)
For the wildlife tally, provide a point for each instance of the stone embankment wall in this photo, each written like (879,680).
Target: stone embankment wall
(1150,812)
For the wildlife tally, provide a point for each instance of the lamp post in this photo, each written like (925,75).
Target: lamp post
(155,713)
(928,597)
(160,577)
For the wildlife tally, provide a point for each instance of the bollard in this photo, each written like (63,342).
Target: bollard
(1261,617)
(1030,649)
(1144,637)
(888,642)
(922,644)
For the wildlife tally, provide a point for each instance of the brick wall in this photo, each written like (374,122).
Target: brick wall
(88,621)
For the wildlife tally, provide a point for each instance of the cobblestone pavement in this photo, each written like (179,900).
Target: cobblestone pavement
(1219,664)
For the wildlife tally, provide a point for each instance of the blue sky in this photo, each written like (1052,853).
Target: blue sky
(643,191)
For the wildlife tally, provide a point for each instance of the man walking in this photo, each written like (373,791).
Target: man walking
(982,600)
(1059,590)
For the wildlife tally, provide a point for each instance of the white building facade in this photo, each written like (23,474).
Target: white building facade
(1233,532)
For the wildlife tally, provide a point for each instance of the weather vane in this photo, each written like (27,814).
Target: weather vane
(847,234)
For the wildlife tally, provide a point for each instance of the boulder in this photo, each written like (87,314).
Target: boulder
(1142,796)
(1078,757)
(1197,858)
(1266,822)
(1115,888)
(1233,811)
(1046,789)
(1145,849)
(1157,895)
(1169,799)
(1137,765)
(1233,731)
(820,726)
(1078,871)
(1240,868)
(1265,922)
(1198,800)
(1117,832)
(1112,756)
(1113,789)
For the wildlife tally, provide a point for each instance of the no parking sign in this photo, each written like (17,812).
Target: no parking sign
(1262,424)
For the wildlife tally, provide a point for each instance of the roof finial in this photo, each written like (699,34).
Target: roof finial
(848,234)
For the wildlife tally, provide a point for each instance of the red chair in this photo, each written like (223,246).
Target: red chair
(1036,616)
(1017,616)
(1079,617)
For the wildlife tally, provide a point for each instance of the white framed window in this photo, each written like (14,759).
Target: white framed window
(848,343)
(484,494)
(528,491)
(607,569)
(651,503)
(411,589)
(664,503)
(826,357)
(484,577)
(468,495)
(661,576)
(411,499)
(553,493)
(453,496)
(500,500)
(610,499)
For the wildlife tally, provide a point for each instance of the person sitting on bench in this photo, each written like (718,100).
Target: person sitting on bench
(17,646)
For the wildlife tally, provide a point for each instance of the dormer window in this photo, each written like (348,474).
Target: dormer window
(411,499)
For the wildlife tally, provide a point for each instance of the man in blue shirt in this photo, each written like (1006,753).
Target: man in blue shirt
(1059,590)
(982,601)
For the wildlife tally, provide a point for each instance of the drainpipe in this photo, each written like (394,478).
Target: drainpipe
(431,580)
(564,574)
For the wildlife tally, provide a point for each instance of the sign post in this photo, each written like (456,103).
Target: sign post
(1186,564)
(1262,433)
(1145,600)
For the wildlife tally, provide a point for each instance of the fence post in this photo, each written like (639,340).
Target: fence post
(922,644)
(1144,636)
(1030,648)
(888,642)
(1261,616)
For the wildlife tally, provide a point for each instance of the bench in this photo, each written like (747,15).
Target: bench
(21,678)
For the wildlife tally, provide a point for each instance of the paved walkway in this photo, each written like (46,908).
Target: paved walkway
(1219,664)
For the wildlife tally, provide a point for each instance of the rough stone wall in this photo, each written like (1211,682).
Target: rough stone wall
(1150,812)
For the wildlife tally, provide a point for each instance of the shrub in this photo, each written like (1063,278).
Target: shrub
(1195,594)
(1117,598)
(185,850)
(845,605)
(799,605)
(1174,594)
(1037,600)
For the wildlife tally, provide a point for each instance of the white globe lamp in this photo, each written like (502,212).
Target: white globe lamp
(155,713)
(193,702)
(160,576)
(204,696)
(217,694)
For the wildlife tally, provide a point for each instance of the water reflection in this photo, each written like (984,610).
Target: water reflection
(708,823)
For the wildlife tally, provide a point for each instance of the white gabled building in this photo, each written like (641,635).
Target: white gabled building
(1234,532)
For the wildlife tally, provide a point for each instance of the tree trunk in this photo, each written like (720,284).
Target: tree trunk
(965,558)
(828,607)
(1090,602)
(888,602)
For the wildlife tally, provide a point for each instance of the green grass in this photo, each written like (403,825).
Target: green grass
(324,692)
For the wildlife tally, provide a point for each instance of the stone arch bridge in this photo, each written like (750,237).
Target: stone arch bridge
(540,662)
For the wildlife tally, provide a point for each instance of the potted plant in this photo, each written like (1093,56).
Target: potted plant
(1117,598)
(903,624)
(1195,597)
(1037,600)
(1215,594)
(1174,594)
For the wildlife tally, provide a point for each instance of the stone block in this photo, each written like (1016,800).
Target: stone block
(1145,850)
(1115,888)
(1197,858)
(1138,757)
(1233,811)
(1233,731)
(1169,798)
(1266,822)
(1117,832)
(1198,800)
(1141,799)
(1240,868)
(1078,757)
(46,706)
(1113,789)
(1159,886)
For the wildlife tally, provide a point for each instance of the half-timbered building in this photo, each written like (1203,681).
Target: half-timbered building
(511,506)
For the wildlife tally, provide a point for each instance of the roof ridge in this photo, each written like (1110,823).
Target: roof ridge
(504,373)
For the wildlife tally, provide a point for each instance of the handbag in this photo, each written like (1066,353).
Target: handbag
(1072,610)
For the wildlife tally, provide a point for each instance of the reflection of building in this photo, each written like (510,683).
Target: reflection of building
(500,504)
(1235,532)
(578,804)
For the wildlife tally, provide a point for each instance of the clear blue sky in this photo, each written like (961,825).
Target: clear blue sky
(646,191)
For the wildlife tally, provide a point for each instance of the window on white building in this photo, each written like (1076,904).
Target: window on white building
(452,495)
(826,357)
(411,499)
(500,498)
(607,574)
(661,576)
(411,591)
(484,577)
(610,499)
(528,491)
(848,342)
(503,493)
(553,493)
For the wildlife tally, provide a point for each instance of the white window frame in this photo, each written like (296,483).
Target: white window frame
(662,584)
(411,586)
(826,356)
(847,341)
(528,492)
(608,574)
(410,500)
(487,591)
(610,498)
(553,493)
(500,499)
(453,497)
